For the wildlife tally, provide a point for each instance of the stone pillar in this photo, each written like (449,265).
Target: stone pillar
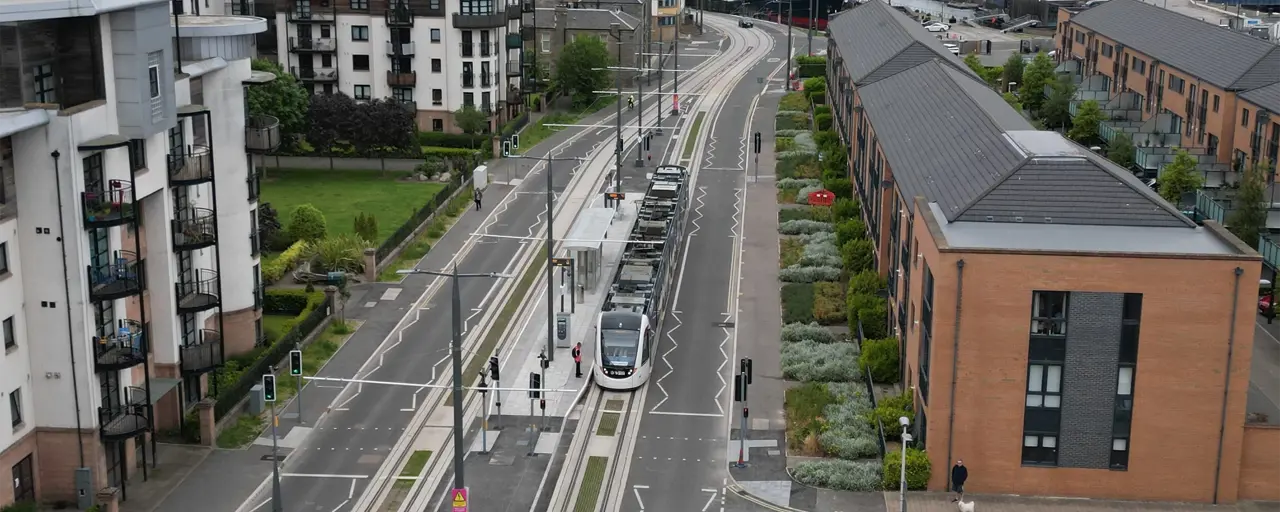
(109,499)
(332,292)
(208,422)
(497,145)
(370,265)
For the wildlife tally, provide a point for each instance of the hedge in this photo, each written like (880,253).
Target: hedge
(867,281)
(453,140)
(274,270)
(858,256)
(801,331)
(289,302)
(797,302)
(849,229)
(803,227)
(810,66)
(919,470)
(808,361)
(446,152)
(844,209)
(871,311)
(888,411)
(840,475)
(298,328)
(421,215)
(880,359)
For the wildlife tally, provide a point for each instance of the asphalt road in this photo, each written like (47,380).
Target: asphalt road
(356,436)
(679,461)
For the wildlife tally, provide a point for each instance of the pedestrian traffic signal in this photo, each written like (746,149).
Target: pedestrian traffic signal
(757,143)
(515,141)
(739,389)
(535,386)
(493,368)
(506,148)
(745,369)
(295,363)
(269,388)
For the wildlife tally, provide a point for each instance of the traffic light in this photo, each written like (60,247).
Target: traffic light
(493,368)
(756,144)
(515,141)
(506,148)
(745,369)
(295,363)
(269,388)
(535,384)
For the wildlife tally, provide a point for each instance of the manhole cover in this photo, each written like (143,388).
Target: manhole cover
(502,460)
(277,458)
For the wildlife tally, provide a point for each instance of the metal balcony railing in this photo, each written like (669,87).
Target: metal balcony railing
(118,278)
(400,49)
(315,44)
(467,49)
(111,206)
(194,228)
(315,75)
(242,8)
(494,19)
(191,166)
(262,133)
(309,15)
(125,348)
(197,291)
(205,354)
(395,79)
(400,17)
(125,420)
(468,79)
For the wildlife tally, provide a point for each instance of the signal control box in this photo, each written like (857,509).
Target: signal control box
(563,330)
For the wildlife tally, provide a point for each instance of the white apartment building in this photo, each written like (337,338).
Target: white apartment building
(128,252)
(432,55)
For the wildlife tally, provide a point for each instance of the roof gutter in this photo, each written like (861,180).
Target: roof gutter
(1226,385)
(955,365)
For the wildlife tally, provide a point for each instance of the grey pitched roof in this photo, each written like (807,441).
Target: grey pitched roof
(1266,97)
(876,41)
(585,19)
(1220,56)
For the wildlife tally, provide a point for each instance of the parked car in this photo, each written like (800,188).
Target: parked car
(953,48)
(937,27)
(744,22)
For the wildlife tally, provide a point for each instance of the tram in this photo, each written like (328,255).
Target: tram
(631,316)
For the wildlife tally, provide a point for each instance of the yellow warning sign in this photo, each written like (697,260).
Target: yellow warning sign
(459,500)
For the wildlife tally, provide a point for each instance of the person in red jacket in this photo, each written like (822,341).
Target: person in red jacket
(577,360)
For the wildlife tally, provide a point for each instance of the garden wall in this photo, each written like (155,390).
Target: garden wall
(342,164)
(1260,463)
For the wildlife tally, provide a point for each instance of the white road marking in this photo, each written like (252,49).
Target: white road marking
(693,414)
(636,489)
(709,500)
(322,475)
(351,493)
(340,505)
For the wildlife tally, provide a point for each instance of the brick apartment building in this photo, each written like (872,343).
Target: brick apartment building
(1169,80)
(1065,331)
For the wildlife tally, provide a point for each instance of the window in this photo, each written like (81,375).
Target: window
(1213,145)
(484,75)
(666,21)
(1040,450)
(1122,419)
(137,154)
(469,99)
(15,407)
(10,335)
(1177,84)
(1216,102)
(485,100)
(24,481)
(326,61)
(4,258)
(1049,313)
(153,79)
(326,31)
(259,337)
(257,289)
(436,65)
(926,331)
(402,94)
(253,233)
(1119,453)
(545,45)
(45,84)
(1044,386)
(437,125)
(437,96)
(360,32)
(435,35)
(362,5)
(1107,50)
(362,92)
(1080,37)
(468,74)
(360,62)
(1244,117)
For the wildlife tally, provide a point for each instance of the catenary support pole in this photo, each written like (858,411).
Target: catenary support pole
(551,312)
(813,16)
(458,432)
(617,82)
(790,19)
(277,505)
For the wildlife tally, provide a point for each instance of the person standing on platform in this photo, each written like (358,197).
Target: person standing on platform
(577,360)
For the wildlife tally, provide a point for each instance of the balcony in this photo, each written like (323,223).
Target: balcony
(191,166)
(315,75)
(307,15)
(198,291)
(467,49)
(204,355)
(468,80)
(125,420)
(488,79)
(514,13)
(513,96)
(120,278)
(513,68)
(488,49)
(254,183)
(514,42)
(194,228)
(400,49)
(124,349)
(495,19)
(111,207)
(400,17)
(246,8)
(261,134)
(410,105)
(395,79)
(316,44)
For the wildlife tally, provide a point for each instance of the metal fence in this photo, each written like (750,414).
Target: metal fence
(871,392)
(229,398)
(421,215)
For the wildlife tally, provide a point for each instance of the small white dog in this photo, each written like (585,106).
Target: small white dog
(965,506)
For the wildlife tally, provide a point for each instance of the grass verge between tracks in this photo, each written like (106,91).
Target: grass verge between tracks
(691,140)
(413,469)
(592,481)
(608,424)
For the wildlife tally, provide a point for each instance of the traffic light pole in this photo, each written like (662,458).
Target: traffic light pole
(277,505)
(298,374)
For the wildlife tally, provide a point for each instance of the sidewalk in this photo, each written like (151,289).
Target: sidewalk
(941,502)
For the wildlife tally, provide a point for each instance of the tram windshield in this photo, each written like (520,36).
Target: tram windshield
(619,346)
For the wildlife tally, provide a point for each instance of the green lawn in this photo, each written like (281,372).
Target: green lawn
(273,326)
(538,132)
(341,195)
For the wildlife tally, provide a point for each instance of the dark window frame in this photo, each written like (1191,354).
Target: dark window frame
(10,333)
(354,62)
(926,331)
(1127,362)
(1043,319)
(137,154)
(4,258)
(359,32)
(15,408)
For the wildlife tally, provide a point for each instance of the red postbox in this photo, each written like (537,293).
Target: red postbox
(822,198)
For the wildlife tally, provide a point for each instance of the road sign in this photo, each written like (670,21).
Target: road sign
(561,262)
(459,500)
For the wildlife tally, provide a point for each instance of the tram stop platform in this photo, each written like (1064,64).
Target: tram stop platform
(592,285)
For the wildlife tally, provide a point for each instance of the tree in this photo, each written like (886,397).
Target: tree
(1249,219)
(366,227)
(307,223)
(1013,69)
(1035,77)
(470,120)
(1084,127)
(283,98)
(389,127)
(1122,151)
(580,71)
(1056,109)
(268,225)
(987,74)
(1012,100)
(1179,177)
(333,117)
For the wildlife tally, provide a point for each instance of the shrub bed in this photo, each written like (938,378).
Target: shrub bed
(787,195)
(844,209)
(850,229)
(802,195)
(887,412)
(818,213)
(811,331)
(798,183)
(847,434)
(804,227)
(828,303)
(802,274)
(798,165)
(275,269)
(871,311)
(867,282)
(808,361)
(879,358)
(788,133)
(840,475)
(793,101)
(789,251)
(781,144)
(791,120)
(797,302)
(919,469)
(804,405)
(820,250)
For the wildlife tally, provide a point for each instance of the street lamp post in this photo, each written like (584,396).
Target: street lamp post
(456,349)
(790,19)
(615,31)
(902,480)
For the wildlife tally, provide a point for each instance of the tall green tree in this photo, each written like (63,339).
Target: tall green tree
(1122,151)
(1084,126)
(1249,219)
(1035,77)
(580,70)
(1179,177)
(1012,72)
(988,75)
(283,98)
(1056,109)
(470,120)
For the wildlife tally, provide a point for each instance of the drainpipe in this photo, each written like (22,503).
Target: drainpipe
(955,364)
(66,290)
(1226,385)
